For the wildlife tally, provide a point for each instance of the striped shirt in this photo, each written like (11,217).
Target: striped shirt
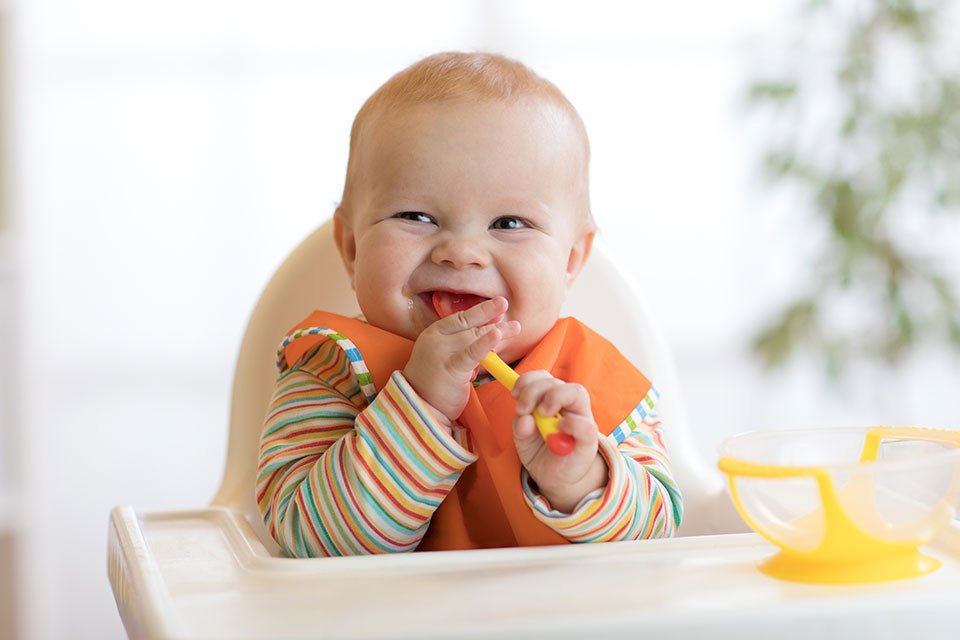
(344,472)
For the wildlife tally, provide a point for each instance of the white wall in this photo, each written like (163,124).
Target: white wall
(168,155)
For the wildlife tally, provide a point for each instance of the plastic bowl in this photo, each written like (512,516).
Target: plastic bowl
(845,505)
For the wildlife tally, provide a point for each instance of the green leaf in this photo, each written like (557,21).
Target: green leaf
(780,163)
(772,91)
(953,331)
(842,205)
(795,324)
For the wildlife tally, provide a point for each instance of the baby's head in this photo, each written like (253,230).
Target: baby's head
(467,179)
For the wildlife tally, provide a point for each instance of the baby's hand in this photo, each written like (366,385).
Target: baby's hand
(563,480)
(447,354)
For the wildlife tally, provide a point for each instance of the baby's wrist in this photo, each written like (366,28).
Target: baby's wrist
(565,498)
(439,416)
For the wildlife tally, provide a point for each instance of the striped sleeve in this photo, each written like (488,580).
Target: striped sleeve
(338,476)
(641,499)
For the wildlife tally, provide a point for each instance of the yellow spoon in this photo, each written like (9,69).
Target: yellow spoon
(558,442)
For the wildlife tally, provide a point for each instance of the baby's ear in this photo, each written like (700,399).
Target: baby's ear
(346,242)
(579,253)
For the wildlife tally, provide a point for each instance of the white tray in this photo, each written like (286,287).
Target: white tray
(203,574)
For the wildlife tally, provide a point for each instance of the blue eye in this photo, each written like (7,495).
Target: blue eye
(508,223)
(414,216)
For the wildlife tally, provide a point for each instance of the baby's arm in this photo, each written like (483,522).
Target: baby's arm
(636,496)
(337,480)
(641,499)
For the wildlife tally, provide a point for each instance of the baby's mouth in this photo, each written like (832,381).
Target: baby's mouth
(447,302)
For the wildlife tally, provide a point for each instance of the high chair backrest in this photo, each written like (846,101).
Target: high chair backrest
(603,297)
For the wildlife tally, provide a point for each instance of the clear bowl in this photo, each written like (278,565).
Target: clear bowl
(845,505)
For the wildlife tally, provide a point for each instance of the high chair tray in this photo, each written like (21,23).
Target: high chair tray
(204,574)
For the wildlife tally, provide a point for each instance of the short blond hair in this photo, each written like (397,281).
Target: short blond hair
(452,75)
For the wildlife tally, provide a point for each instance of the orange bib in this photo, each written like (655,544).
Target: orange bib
(486,507)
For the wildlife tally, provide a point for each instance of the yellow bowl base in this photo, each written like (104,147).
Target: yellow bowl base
(908,564)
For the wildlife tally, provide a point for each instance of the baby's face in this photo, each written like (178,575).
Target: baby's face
(454,202)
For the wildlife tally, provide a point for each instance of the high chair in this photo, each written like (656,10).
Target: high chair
(313,277)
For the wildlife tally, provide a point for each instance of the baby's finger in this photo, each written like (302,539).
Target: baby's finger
(583,429)
(468,358)
(568,397)
(525,429)
(530,389)
(474,317)
(508,329)
(527,438)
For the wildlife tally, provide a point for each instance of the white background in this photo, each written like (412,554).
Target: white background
(167,155)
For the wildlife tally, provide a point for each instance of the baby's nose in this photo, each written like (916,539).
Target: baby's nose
(460,251)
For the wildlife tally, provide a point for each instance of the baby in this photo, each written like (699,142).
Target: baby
(465,218)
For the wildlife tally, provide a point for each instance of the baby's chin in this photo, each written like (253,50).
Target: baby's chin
(514,349)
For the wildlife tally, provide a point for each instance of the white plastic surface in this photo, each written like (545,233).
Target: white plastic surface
(203,574)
